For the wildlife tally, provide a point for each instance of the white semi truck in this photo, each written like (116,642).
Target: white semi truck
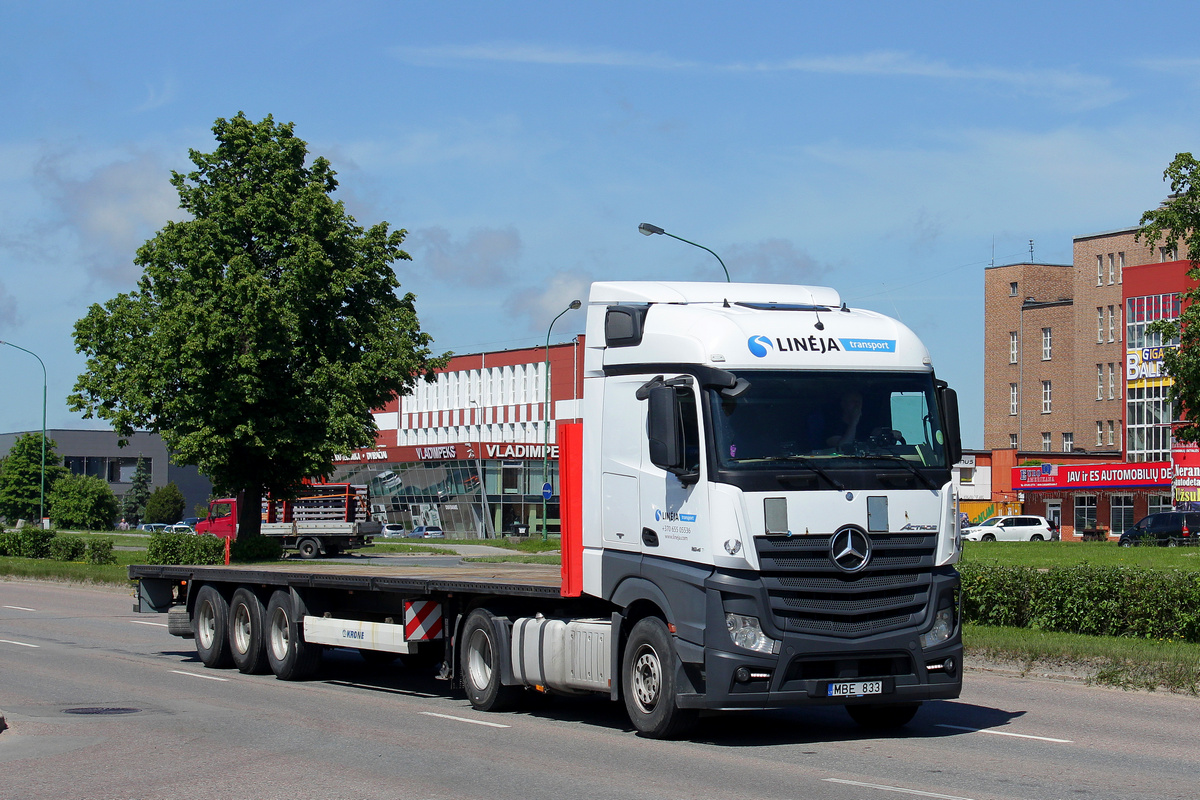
(757,513)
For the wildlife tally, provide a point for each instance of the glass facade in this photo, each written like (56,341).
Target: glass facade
(447,494)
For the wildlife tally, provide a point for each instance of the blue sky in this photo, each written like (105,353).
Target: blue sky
(888,150)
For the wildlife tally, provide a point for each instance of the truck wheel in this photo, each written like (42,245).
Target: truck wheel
(209,627)
(648,682)
(480,662)
(309,548)
(246,642)
(290,657)
(883,717)
(179,623)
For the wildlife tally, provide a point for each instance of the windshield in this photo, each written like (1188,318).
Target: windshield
(989,521)
(838,426)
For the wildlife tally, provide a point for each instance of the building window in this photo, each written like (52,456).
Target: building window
(1012,289)
(1112,427)
(1099,325)
(110,469)
(1012,399)
(1158,503)
(1148,416)
(1112,269)
(1046,397)
(1012,347)
(1112,325)
(1120,266)
(1046,341)
(1046,441)
(1012,441)
(1085,512)
(966,475)
(1099,270)
(1166,254)
(1141,311)
(1121,512)
(1112,381)
(1099,433)
(1068,440)
(1099,381)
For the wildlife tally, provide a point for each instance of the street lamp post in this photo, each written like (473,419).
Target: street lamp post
(42,498)
(648,230)
(546,420)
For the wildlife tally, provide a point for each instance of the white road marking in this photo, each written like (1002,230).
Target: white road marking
(21,608)
(899,789)
(146,622)
(464,719)
(198,675)
(1005,733)
(22,644)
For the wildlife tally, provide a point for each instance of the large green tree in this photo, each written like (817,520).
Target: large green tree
(1177,222)
(264,328)
(21,477)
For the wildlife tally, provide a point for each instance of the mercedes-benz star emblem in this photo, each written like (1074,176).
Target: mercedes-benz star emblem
(850,549)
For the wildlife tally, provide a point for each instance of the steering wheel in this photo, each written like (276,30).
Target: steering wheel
(886,437)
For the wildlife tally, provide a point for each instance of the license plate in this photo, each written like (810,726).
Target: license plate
(855,688)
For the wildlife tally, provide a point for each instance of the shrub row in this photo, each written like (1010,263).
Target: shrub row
(1094,600)
(188,548)
(39,543)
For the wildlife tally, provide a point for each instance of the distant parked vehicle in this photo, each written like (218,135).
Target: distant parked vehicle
(153,527)
(392,529)
(185,525)
(1166,529)
(1015,528)
(428,532)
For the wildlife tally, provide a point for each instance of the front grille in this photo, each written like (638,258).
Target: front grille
(810,594)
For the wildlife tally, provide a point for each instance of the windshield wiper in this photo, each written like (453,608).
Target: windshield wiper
(806,462)
(910,466)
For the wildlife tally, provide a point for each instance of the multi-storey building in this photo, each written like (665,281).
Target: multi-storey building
(473,451)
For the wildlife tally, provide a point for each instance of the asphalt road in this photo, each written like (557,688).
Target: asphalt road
(102,703)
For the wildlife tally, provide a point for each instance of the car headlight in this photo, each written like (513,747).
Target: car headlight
(747,632)
(943,628)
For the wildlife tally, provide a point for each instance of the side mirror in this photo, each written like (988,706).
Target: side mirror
(666,436)
(949,402)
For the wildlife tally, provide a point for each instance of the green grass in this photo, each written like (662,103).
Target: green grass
(1042,555)
(73,571)
(516,559)
(1113,661)
(531,544)
(399,547)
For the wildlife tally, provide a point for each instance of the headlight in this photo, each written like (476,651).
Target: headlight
(943,628)
(746,632)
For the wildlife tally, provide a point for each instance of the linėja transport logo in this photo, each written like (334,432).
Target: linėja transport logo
(759,346)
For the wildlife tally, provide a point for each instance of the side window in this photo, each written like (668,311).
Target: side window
(690,425)
(221,510)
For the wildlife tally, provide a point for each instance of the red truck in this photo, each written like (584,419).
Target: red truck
(325,519)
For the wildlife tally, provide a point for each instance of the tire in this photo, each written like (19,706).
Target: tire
(1172,543)
(1037,537)
(988,537)
(247,644)
(883,717)
(210,626)
(480,660)
(309,548)
(1125,543)
(648,682)
(179,623)
(289,656)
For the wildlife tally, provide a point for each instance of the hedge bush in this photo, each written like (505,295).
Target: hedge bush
(1094,600)
(67,547)
(100,551)
(184,548)
(256,548)
(28,543)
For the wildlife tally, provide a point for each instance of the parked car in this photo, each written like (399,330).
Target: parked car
(1166,528)
(1014,528)
(428,532)
(392,529)
(153,527)
(185,525)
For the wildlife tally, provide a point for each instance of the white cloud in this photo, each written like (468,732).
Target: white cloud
(540,305)
(772,261)
(484,257)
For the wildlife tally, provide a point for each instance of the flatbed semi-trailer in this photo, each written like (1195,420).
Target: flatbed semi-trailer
(758,512)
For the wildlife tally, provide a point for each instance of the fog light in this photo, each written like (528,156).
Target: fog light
(746,632)
(943,627)
(742,675)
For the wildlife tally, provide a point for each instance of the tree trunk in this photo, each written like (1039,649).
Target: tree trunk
(250,512)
